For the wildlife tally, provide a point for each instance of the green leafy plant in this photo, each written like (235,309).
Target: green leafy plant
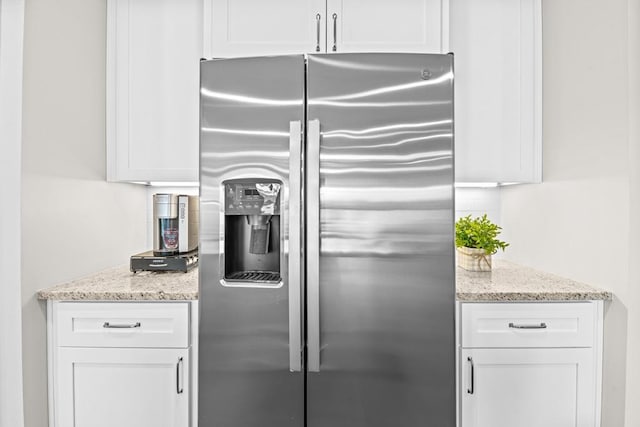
(479,233)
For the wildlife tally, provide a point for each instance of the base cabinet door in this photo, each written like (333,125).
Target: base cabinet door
(531,387)
(123,387)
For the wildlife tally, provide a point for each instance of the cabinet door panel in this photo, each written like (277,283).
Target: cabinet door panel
(154,49)
(276,27)
(528,388)
(109,387)
(380,25)
(498,90)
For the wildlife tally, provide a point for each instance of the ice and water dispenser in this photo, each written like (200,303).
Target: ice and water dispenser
(251,232)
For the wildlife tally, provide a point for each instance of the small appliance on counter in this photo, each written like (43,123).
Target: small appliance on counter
(175,223)
(175,235)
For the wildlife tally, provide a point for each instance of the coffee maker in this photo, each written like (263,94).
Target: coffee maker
(175,224)
(250,252)
(175,235)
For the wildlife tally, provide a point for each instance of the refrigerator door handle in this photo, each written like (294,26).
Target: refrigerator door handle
(313,245)
(295,318)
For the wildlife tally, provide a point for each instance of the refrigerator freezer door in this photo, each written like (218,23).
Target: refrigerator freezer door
(249,376)
(385,256)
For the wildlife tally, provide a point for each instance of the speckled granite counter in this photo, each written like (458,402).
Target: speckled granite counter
(512,282)
(507,282)
(120,284)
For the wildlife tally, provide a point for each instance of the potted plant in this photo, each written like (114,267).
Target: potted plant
(476,241)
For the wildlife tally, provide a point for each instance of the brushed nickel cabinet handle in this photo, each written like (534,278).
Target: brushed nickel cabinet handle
(318,18)
(179,387)
(121,326)
(335,32)
(472,374)
(542,325)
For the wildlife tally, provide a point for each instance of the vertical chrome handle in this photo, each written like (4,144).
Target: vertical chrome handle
(313,246)
(335,32)
(318,18)
(295,254)
(179,368)
(471,375)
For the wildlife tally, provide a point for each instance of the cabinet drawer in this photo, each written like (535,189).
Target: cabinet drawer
(528,325)
(122,324)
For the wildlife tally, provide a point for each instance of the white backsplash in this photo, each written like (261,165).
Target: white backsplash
(477,202)
(469,201)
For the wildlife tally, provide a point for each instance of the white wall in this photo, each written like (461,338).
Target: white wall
(11,41)
(580,223)
(74,222)
(632,295)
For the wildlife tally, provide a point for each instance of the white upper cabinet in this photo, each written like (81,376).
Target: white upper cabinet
(498,66)
(153,53)
(387,26)
(250,27)
(274,27)
(154,48)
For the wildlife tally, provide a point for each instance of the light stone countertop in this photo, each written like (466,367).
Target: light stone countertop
(507,282)
(513,282)
(120,283)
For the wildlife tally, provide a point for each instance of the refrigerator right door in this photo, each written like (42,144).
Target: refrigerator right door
(380,244)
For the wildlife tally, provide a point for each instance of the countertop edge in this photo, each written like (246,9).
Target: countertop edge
(115,296)
(531,297)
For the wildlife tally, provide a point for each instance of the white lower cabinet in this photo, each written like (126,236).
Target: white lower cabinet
(530,364)
(124,364)
(107,387)
(527,387)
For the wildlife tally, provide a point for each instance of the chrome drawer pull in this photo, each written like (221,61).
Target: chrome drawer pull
(542,325)
(130,326)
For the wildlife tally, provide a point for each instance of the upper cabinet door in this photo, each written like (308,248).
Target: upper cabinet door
(153,58)
(498,67)
(274,27)
(387,26)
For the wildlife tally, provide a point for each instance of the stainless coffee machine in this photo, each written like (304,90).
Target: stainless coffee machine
(175,224)
(251,243)
(175,235)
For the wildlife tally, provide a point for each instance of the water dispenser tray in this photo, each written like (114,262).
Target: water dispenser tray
(253,276)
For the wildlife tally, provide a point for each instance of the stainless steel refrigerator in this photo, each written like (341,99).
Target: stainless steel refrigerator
(326,241)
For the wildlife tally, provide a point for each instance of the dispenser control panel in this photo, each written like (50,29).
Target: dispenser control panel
(252,198)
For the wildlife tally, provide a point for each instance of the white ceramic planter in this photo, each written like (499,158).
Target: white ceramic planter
(473,259)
